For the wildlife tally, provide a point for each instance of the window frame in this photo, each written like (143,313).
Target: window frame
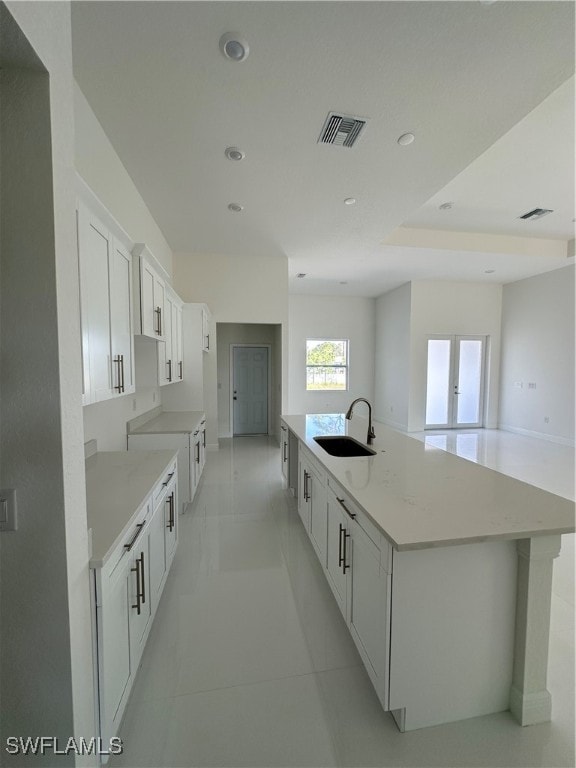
(346,367)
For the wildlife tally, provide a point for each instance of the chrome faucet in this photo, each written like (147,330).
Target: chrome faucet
(371,434)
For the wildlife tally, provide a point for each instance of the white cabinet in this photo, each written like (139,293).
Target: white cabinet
(105,274)
(150,296)
(170,351)
(312,502)
(205,328)
(127,589)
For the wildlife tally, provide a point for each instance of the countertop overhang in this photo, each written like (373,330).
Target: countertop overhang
(170,422)
(421,497)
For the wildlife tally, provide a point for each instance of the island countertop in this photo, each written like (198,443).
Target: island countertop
(117,485)
(422,497)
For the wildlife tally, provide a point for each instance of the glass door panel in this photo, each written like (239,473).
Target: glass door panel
(438,399)
(455,382)
(468,386)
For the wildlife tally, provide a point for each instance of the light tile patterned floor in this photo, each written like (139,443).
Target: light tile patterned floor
(249,662)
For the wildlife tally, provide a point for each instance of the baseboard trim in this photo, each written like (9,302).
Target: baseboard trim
(531,708)
(540,435)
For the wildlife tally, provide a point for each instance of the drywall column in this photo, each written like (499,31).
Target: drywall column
(530,701)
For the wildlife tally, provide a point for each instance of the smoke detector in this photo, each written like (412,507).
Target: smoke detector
(341,130)
(536,213)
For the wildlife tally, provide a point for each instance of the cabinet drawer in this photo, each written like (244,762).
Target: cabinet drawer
(379,541)
(160,490)
(131,538)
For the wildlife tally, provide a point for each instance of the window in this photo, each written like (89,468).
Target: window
(326,364)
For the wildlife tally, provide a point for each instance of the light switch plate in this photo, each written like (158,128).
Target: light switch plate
(8,520)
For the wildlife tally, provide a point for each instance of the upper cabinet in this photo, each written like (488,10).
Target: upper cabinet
(105,269)
(150,292)
(170,351)
(205,328)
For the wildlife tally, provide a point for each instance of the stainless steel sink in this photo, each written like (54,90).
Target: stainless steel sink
(342,445)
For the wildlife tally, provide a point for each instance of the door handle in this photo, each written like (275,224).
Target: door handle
(235,398)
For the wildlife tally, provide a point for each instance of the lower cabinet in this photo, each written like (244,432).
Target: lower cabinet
(312,501)
(127,590)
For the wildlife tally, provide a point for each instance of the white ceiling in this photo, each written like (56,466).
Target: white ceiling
(482,87)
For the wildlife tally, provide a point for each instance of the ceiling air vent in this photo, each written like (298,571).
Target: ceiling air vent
(342,130)
(537,213)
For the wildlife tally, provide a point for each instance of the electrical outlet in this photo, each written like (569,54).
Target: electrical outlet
(531,385)
(546,419)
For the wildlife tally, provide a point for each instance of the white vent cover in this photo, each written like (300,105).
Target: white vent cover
(342,130)
(536,213)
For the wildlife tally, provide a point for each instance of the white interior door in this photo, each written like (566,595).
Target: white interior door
(455,382)
(250,390)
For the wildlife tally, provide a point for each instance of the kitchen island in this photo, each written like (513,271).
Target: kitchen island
(442,570)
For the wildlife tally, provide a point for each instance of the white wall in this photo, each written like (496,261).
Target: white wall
(237,290)
(243,333)
(453,308)
(538,347)
(46,660)
(98,164)
(331,317)
(392,345)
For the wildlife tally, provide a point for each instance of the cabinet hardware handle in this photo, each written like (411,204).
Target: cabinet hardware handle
(122,369)
(208,341)
(158,311)
(197,446)
(169,364)
(143,578)
(203,438)
(340,558)
(170,476)
(139,583)
(180,366)
(345,508)
(285,446)
(117,362)
(170,502)
(129,546)
(306,497)
(283,429)
(345,565)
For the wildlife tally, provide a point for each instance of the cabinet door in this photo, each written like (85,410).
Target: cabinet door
(368,609)
(303,492)
(318,516)
(338,551)
(139,596)
(122,340)
(157,555)
(205,331)
(177,344)
(114,663)
(171,521)
(94,250)
(148,307)
(160,306)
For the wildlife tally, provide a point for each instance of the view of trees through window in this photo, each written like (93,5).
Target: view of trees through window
(327,364)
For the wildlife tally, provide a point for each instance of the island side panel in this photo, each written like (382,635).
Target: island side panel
(452,632)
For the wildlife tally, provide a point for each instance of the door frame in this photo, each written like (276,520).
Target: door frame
(233,346)
(454,338)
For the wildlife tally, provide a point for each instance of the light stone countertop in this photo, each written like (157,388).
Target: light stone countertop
(422,497)
(117,485)
(170,422)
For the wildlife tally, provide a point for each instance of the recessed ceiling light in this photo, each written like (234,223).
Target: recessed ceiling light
(405,139)
(343,282)
(445,206)
(489,271)
(235,207)
(233,153)
(233,47)
(350,201)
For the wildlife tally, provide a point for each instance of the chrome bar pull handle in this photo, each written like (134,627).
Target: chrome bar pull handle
(169,364)
(285,447)
(340,558)
(158,312)
(117,362)
(180,367)
(122,369)
(345,508)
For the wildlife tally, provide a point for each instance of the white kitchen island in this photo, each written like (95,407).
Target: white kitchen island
(442,569)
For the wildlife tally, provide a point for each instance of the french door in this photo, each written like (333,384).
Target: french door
(455,382)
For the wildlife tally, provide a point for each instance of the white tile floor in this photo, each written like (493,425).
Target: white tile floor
(249,662)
